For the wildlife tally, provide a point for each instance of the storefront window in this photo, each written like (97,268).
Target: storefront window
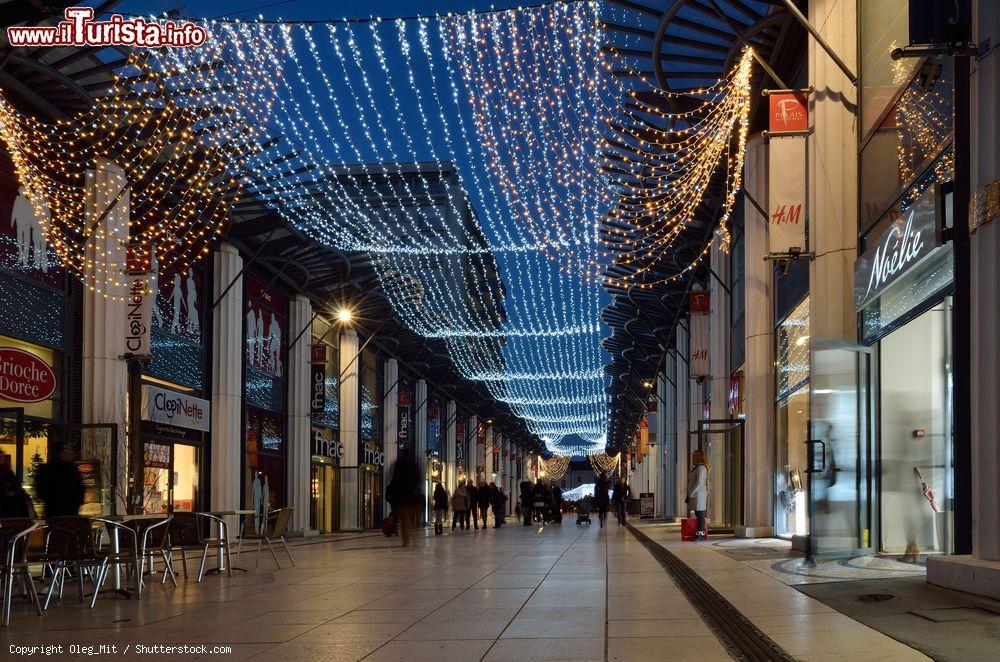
(177,349)
(371,400)
(884,26)
(265,346)
(791,421)
(915,440)
(265,458)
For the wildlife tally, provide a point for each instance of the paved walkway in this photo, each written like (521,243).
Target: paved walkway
(519,593)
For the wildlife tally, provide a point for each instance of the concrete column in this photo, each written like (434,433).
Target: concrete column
(299,432)
(832,175)
(980,572)
(718,343)
(758,366)
(683,409)
(420,441)
(105,373)
(349,409)
(450,438)
(227,380)
(390,425)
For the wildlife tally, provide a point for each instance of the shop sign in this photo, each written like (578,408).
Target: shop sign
(786,194)
(904,243)
(317,353)
(699,346)
(645,504)
(138,301)
(459,444)
(735,405)
(699,301)
(24,377)
(172,431)
(373,456)
(90,473)
(173,408)
(325,445)
(789,111)
(317,390)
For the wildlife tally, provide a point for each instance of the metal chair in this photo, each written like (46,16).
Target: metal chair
(154,538)
(185,533)
(14,534)
(274,529)
(71,545)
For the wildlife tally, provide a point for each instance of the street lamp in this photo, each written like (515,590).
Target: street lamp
(345,315)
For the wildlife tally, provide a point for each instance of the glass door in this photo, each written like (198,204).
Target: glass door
(840,443)
(722,443)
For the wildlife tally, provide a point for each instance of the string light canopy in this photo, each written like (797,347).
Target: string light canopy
(522,104)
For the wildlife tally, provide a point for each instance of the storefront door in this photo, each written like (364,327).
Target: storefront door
(170,477)
(324,515)
(371,498)
(722,442)
(840,458)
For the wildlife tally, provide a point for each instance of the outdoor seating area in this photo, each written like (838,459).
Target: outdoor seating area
(116,555)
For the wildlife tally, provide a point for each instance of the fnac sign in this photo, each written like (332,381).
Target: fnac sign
(24,377)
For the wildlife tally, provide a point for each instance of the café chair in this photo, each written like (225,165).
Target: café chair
(185,534)
(14,534)
(273,529)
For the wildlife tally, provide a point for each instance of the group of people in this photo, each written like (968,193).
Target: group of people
(605,495)
(540,502)
(57,483)
(469,502)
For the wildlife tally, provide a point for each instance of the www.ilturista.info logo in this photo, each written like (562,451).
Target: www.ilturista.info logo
(80,29)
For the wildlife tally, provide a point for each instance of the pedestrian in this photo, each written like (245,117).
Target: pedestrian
(440,508)
(59,484)
(498,503)
(460,507)
(557,504)
(403,492)
(473,502)
(619,497)
(697,498)
(601,497)
(483,497)
(526,497)
(540,503)
(14,501)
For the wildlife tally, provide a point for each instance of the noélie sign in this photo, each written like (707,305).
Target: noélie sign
(24,377)
(911,237)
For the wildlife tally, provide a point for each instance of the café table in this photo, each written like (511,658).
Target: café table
(116,545)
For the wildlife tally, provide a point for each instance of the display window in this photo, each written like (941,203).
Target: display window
(170,476)
(266,334)
(792,421)
(178,318)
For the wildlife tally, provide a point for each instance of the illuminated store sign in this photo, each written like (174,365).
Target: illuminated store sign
(173,408)
(24,377)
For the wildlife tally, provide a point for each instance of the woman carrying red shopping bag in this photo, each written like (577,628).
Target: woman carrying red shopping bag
(697,498)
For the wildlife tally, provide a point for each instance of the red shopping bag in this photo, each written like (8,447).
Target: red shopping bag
(689,528)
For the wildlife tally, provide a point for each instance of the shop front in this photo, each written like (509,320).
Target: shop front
(904,281)
(174,427)
(371,467)
(324,489)
(792,422)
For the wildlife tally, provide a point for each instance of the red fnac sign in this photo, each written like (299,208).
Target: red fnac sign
(699,301)
(788,112)
(24,377)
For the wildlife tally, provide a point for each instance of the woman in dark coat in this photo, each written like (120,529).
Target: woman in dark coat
(601,499)
(526,498)
(473,502)
(440,508)
(498,501)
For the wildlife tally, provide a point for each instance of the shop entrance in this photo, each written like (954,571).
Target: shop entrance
(170,476)
(839,473)
(722,442)
(324,513)
(371,497)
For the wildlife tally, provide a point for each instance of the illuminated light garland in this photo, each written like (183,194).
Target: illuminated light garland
(601,462)
(554,468)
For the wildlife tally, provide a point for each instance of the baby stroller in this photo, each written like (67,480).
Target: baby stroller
(583,511)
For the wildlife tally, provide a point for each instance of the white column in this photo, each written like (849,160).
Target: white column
(299,432)
(420,441)
(758,366)
(683,410)
(719,333)
(832,174)
(105,373)
(980,572)
(390,425)
(227,380)
(348,390)
(450,438)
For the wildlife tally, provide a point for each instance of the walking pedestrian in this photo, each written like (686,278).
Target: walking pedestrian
(540,503)
(59,484)
(14,501)
(619,497)
(460,507)
(697,498)
(601,497)
(473,502)
(498,503)
(557,504)
(483,497)
(440,508)
(526,496)
(403,492)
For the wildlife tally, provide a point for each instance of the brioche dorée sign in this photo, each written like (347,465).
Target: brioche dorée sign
(911,237)
(24,377)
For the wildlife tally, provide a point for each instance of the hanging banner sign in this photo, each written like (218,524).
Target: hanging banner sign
(788,112)
(138,301)
(459,444)
(317,354)
(903,244)
(317,389)
(699,346)
(786,194)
